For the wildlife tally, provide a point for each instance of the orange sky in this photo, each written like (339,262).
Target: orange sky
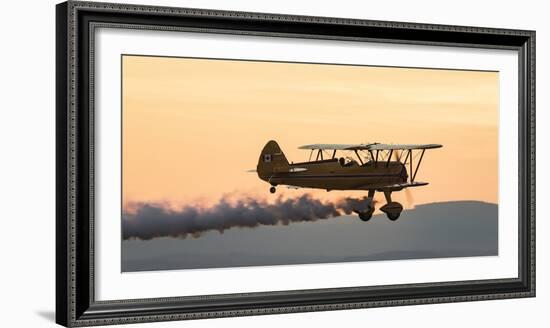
(192,127)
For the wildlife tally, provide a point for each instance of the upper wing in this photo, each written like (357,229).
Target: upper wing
(332,146)
(372,146)
(401,147)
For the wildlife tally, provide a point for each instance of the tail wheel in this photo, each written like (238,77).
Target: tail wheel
(272,190)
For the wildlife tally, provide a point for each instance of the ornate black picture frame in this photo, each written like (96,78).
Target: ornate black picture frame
(75,301)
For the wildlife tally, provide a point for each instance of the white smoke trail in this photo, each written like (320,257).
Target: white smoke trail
(147,221)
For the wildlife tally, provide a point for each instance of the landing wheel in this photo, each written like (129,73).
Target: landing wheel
(393,210)
(393,216)
(365,216)
(272,190)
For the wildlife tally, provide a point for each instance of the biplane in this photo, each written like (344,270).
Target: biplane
(371,167)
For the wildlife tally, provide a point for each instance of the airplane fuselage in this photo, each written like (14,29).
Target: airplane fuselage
(331,175)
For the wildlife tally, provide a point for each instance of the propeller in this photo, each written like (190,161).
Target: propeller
(408,193)
(409,197)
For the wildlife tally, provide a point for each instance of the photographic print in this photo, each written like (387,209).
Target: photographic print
(216,163)
(234,163)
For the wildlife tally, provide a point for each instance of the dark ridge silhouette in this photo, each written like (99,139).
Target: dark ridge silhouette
(437,230)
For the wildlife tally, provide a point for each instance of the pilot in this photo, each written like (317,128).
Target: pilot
(343,163)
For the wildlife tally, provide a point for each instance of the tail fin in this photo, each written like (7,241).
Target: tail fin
(272,160)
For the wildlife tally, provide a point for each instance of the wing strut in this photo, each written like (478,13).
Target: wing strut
(357,153)
(411,164)
(418,165)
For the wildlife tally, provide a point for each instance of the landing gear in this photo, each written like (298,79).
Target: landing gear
(367,214)
(392,209)
(393,216)
(272,190)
